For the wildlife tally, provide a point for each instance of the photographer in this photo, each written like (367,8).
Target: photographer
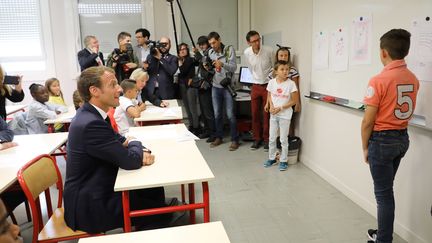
(161,68)
(6,91)
(224,62)
(123,59)
(203,82)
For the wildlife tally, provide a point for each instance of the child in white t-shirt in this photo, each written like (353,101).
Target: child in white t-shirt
(282,95)
(129,108)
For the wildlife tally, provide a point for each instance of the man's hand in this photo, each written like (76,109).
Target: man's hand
(365,156)
(126,142)
(164,103)
(297,107)
(94,49)
(148,158)
(158,54)
(218,64)
(7,145)
(267,107)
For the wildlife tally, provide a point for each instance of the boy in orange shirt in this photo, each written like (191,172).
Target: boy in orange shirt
(391,100)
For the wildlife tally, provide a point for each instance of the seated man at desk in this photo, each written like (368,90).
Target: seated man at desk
(95,153)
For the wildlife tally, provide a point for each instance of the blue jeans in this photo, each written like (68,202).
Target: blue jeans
(385,151)
(221,96)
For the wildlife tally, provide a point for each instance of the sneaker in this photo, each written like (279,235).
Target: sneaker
(210,139)
(269,163)
(216,142)
(283,166)
(234,146)
(255,145)
(266,147)
(372,234)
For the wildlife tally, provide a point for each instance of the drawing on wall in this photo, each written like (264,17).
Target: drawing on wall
(420,56)
(321,50)
(339,51)
(361,40)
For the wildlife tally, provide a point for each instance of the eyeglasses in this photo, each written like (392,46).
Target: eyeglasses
(183,49)
(253,41)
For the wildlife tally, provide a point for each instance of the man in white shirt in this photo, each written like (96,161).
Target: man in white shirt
(259,60)
(142,50)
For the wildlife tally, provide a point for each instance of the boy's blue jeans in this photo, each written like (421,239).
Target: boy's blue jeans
(385,151)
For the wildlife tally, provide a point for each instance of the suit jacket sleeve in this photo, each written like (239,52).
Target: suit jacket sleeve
(145,95)
(85,60)
(101,144)
(6,135)
(170,65)
(15,96)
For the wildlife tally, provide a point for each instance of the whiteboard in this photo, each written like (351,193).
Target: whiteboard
(332,15)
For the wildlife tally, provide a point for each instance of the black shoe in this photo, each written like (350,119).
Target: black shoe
(266,147)
(255,145)
(372,235)
(204,135)
(210,139)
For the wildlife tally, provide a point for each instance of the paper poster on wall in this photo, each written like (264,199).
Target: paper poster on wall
(361,40)
(339,50)
(321,50)
(420,56)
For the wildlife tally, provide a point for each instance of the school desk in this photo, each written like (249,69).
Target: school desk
(64,118)
(29,146)
(177,161)
(11,109)
(154,115)
(213,232)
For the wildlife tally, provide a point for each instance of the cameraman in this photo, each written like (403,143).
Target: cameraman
(161,68)
(203,82)
(224,62)
(122,59)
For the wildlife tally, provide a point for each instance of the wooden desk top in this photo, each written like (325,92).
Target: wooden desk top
(64,117)
(176,162)
(29,146)
(213,232)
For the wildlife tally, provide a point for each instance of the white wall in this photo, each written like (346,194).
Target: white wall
(331,134)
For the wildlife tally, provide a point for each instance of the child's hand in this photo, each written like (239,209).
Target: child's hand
(275,110)
(142,106)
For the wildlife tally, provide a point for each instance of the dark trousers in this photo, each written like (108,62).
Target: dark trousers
(385,151)
(206,106)
(260,128)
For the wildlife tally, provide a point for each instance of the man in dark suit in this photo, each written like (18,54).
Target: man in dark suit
(95,153)
(161,69)
(90,55)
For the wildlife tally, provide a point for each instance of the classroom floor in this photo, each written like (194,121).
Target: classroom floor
(258,204)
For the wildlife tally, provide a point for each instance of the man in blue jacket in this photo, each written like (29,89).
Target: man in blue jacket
(95,153)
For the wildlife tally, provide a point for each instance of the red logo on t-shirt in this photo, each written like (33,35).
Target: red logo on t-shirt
(279,91)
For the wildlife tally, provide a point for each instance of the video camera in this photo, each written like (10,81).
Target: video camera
(226,83)
(207,61)
(123,57)
(153,45)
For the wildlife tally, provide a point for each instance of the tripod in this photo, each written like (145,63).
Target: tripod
(174,23)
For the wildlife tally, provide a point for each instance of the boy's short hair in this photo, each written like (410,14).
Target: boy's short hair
(280,63)
(396,42)
(128,84)
(77,100)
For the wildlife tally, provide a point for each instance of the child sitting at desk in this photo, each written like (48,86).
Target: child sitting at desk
(282,95)
(40,110)
(55,97)
(129,107)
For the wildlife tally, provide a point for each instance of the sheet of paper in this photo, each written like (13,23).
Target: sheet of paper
(419,59)
(170,112)
(154,109)
(361,40)
(321,50)
(339,50)
(186,136)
